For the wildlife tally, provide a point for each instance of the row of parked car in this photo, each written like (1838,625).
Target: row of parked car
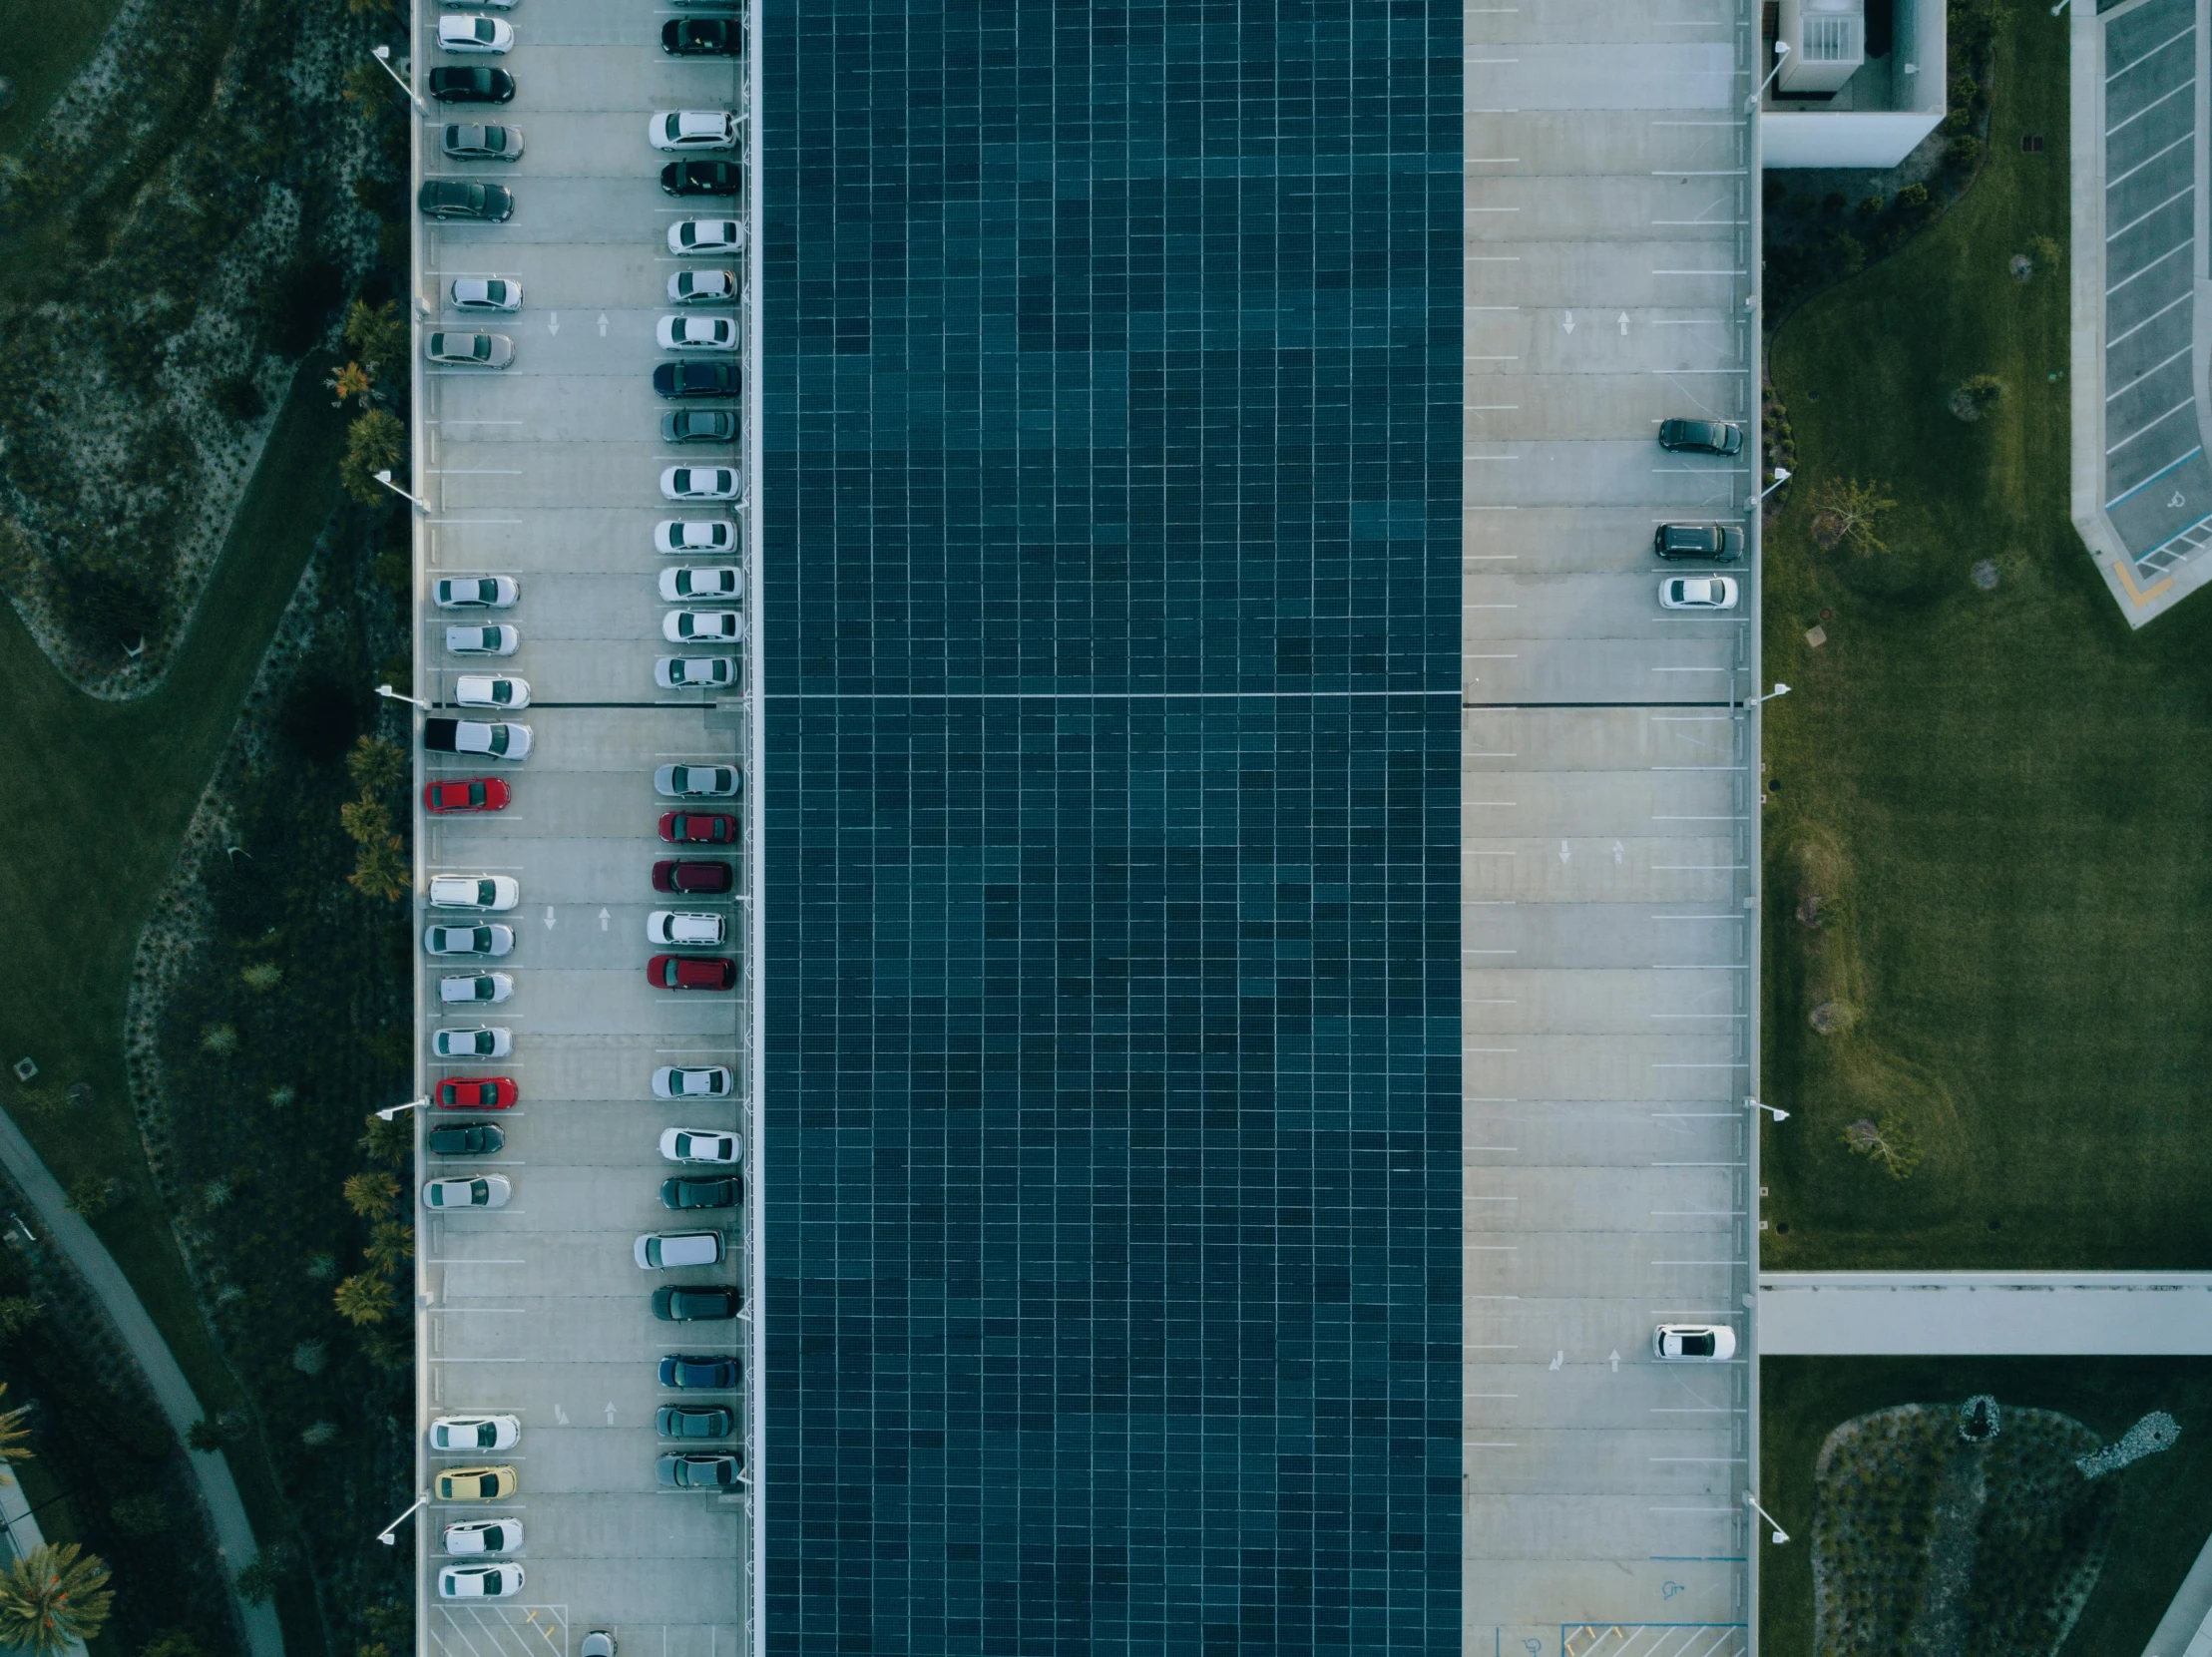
(1705,543)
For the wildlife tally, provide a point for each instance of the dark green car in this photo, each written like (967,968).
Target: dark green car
(464,198)
(1700,437)
(699,1193)
(676,1421)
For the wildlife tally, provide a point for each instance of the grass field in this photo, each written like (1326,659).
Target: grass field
(43,43)
(2165,1505)
(2000,798)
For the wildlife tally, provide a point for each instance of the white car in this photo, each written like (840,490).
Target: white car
(486,294)
(676,1081)
(1697,593)
(464,988)
(469,350)
(475,34)
(700,482)
(659,1251)
(495,5)
(484,939)
(702,626)
(668,926)
(701,1144)
(484,1191)
(502,1580)
(702,288)
(489,892)
(483,691)
(707,235)
(696,334)
(1694,1343)
(703,581)
(693,130)
(497,740)
(481,1042)
(476,1433)
(697,782)
(474,591)
(695,673)
(679,536)
(496,641)
(483,1537)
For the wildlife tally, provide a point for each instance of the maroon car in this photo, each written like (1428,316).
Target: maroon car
(699,828)
(692,971)
(691,874)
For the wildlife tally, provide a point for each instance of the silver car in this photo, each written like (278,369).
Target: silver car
(697,782)
(469,350)
(486,294)
(466,141)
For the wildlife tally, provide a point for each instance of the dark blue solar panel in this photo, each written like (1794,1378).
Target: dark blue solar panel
(1111,600)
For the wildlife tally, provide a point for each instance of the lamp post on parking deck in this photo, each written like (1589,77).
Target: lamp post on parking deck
(1781,52)
(390,1533)
(385,478)
(383,55)
(390,694)
(386,1115)
(1781,477)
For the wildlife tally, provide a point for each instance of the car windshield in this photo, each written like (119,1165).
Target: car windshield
(477,793)
(1697,1346)
(674,126)
(499,739)
(495,292)
(485,29)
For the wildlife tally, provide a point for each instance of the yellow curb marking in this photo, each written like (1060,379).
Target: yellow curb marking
(2142,595)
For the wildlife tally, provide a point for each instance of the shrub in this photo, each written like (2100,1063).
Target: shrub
(310,1357)
(379,337)
(1962,152)
(376,765)
(92,1196)
(371,1192)
(2048,253)
(143,1515)
(365,1299)
(377,441)
(258,1580)
(219,1039)
(262,976)
(1871,206)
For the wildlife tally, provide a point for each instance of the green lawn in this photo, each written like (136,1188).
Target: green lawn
(43,43)
(2165,1505)
(2002,796)
(89,833)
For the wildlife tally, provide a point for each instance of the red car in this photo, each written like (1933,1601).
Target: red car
(476,1093)
(465,794)
(699,828)
(692,971)
(691,874)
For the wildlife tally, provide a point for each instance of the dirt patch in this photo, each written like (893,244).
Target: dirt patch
(1985,574)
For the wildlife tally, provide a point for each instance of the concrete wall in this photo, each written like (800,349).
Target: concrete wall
(1844,138)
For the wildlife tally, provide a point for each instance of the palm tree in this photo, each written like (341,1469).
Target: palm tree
(52,1598)
(361,1300)
(15,1436)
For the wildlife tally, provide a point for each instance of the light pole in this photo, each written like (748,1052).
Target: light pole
(1774,1111)
(1751,1501)
(1781,52)
(1778,690)
(383,55)
(386,1115)
(390,694)
(1781,477)
(385,478)
(390,1533)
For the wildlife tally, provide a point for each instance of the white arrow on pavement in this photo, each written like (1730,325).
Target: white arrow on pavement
(1567,322)
(1565,853)
(560,1417)
(549,916)
(1614,1359)
(603,920)
(602,325)
(1558,1358)
(609,1415)
(553,321)
(1624,324)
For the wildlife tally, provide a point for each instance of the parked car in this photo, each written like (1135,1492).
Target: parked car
(471,83)
(600,1642)
(691,1303)
(700,483)
(484,1191)
(681,929)
(702,626)
(475,1092)
(489,892)
(692,875)
(1694,1343)
(476,1042)
(473,1483)
(695,673)
(697,782)
(486,294)
(486,690)
(679,1420)
(703,37)
(658,1251)
(467,141)
(695,1082)
(702,288)
(1697,593)
(703,581)
(464,198)
(475,1433)
(692,971)
(701,1144)
(699,425)
(708,1372)
(687,1194)
(706,235)
(678,537)
(685,130)
(699,828)
(468,350)
(696,334)
(488,939)
(698,1473)
(464,1140)
(483,1537)
(474,591)
(702,178)
(465,794)
(1701,437)
(476,34)
(474,988)
(1718,542)
(498,640)
(502,1580)
(496,740)
(696,379)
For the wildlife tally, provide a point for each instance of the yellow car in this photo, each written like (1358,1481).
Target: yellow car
(475,1483)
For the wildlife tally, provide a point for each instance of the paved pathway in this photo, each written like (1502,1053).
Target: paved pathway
(93,1262)
(1839,1314)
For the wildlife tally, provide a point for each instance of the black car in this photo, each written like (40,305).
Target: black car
(702,178)
(464,1140)
(1715,543)
(1700,437)
(695,379)
(699,425)
(471,83)
(699,1193)
(464,198)
(697,1473)
(676,1421)
(703,37)
(685,1370)
(699,1303)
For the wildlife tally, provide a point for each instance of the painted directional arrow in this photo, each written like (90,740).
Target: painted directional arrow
(1624,324)
(553,321)
(549,916)
(603,920)
(609,1415)
(1567,322)
(602,325)
(560,1417)
(1614,1359)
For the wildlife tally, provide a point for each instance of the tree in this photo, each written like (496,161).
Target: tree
(378,338)
(15,1436)
(17,1313)
(91,1197)
(53,1598)
(379,871)
(259,1579)
(375,765)
(1889,1142)
(377,442)
(370,1192)
(365,820)
(392,1141)
(350,381)
(391,1245)
(1848,511)
(365,1299)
